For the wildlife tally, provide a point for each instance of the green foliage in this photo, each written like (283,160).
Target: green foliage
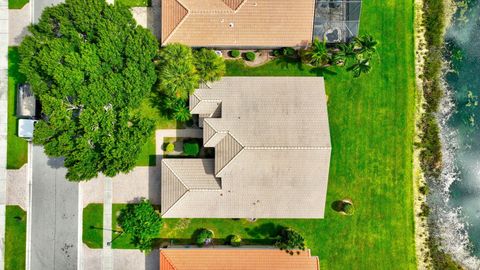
(203,236)
(366,45)
(141,222)
(440,259)
(170,147)
(177,75)
(92,225)
(348,208)
(361,66)
(235,53)
(17,152)
(250,56)
(90,72)
(234,240)
(17,4)
(135,3)
(290,239)
(210,67)
(15,237)
(317,54)
(431,149)
(191,149)
(175,108)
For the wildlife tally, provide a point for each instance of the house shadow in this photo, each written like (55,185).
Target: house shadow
(264,231)
(152,260)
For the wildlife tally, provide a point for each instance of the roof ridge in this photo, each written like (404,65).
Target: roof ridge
(287,147)
(234,157)
(180,181)
(176,175)
(180,23)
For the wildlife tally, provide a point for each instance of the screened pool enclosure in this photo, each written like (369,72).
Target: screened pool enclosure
(337,20)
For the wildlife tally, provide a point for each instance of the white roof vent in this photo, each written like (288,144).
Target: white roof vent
(231,25)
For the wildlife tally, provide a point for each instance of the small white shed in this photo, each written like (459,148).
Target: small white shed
(25,128)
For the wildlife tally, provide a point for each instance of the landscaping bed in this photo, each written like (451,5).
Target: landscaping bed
(179,145)
(17,4)
(15,237)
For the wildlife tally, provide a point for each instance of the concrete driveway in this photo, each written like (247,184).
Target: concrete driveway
(54,219)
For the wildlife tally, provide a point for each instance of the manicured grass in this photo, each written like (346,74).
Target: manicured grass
(149,108)
(15,237)
(17,148)
(16,4)
(371,121)
(135,3)
(93,225)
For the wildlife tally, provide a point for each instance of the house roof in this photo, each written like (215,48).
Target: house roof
(272,152)
(235,259)
(237,23)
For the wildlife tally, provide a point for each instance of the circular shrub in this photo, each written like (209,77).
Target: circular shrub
(170,147)
(250,56)
(204,236)
(235,240)
(234,53)
(348,208)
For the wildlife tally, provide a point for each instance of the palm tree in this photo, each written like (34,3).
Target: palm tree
(178,80)
(366,44)
(182,113)
(317,55)
(345,52)
(361,66)
(210,67)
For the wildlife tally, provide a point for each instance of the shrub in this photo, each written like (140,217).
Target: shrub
(141,222)
(170,147)
(250,56)
(289,51)
(235,240)
(191,149)
(235,53)
(348,208)
(203,236)
(290,239)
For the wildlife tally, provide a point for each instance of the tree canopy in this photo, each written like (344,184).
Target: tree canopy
(142,222)
(290,239)
(90,65)
(210,67)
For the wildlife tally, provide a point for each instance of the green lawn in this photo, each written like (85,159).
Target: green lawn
(17,151)
(16,4)
(372,124)
(135,3)
(92,225)
(15,237)
(149,108)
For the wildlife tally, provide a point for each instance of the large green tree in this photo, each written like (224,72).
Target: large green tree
(142,222)
(210,67)
(90,65)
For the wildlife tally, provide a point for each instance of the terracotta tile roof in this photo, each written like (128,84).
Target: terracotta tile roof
(235,259)
(237,23)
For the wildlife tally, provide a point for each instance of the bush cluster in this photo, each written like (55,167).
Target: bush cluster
(191,149)
(203,236)
(235,53)
(250,56)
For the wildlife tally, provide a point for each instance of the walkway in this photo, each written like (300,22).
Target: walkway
(3,121)
(20,19)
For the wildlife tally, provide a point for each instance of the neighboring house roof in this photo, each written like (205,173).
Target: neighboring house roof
(236,259)
(238,23)
(272,152)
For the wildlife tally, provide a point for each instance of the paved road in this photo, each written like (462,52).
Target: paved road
(54,234)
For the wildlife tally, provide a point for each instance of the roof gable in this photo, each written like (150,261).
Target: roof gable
(234,4)
(225,151)
(172,188)
(173,13)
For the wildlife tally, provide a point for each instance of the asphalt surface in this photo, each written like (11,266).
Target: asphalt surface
(39,5)
(54,215)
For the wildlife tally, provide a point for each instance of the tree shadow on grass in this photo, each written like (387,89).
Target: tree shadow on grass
(264,231)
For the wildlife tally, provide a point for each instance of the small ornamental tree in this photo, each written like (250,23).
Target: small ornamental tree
(235,240)
(90,66)
(170,147)
(203,237)
(142,222)
(290,240)
(210,67)
(191,149)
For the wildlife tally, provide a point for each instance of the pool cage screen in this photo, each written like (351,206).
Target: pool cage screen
(337,20)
